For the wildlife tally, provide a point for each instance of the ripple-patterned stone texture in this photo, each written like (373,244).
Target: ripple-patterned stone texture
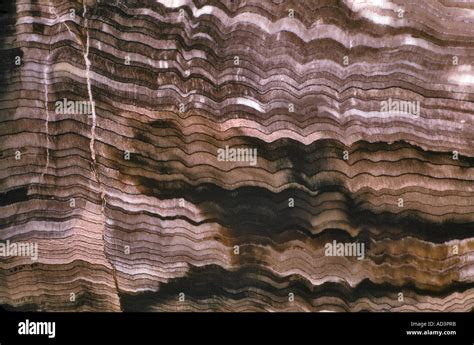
(246,155)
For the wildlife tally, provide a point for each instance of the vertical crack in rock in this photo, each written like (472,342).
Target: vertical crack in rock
(92,141)
(89,87)
(53,11)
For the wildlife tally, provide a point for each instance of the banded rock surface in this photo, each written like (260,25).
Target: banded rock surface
(203,155)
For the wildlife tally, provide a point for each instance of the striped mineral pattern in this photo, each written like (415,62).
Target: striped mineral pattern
(247,155)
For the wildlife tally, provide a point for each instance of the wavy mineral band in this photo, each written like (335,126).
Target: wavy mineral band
(209,156)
